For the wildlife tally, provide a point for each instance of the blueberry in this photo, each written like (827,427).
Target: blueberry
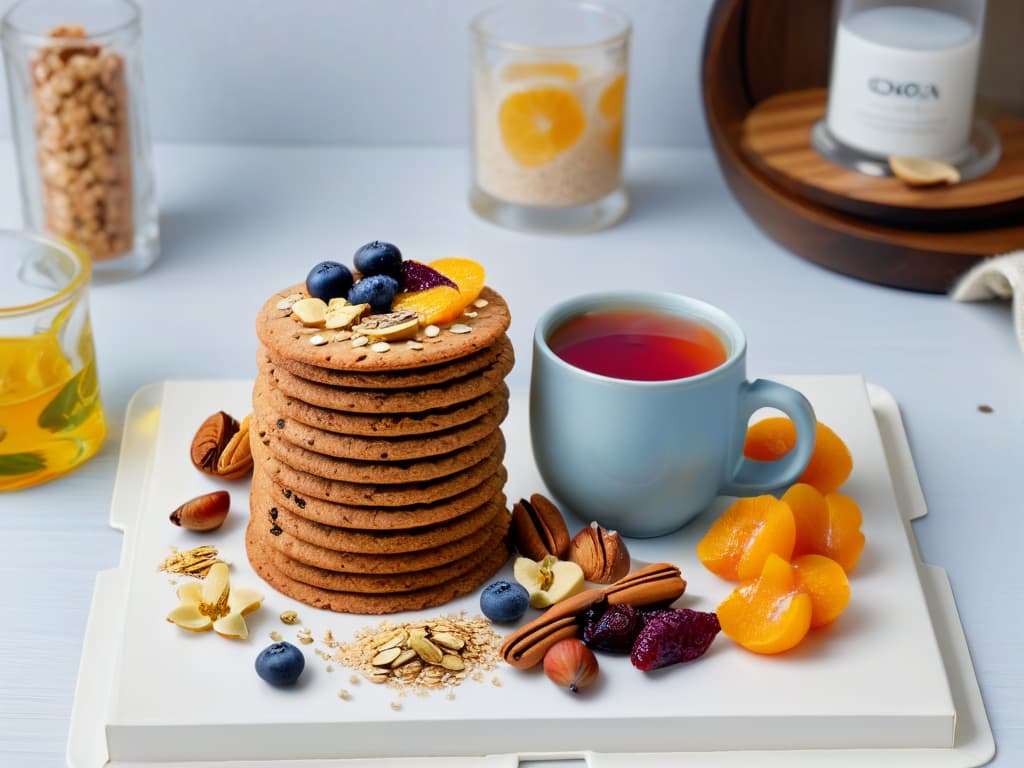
(329,280)
(280,663)
(504,601)
(377,290)
(378,258)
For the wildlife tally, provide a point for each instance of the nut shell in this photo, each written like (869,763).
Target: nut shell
(601,553)
(570,664)
(221,447)
(538,529)
(203,513)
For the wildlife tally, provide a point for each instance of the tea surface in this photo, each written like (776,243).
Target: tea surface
(638,345)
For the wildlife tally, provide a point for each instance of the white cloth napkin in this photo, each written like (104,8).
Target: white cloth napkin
(1001,277)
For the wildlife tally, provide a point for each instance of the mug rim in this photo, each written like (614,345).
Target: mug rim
(659,301)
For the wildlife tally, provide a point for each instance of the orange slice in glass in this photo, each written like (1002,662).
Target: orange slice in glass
(540,124)
(529,70)
(613,101)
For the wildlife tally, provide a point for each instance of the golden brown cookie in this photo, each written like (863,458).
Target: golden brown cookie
(354,602)
(376,495)
(386,583)
(383,448)
(359,562)
(388,401)
(356,471)
(404,379)
(351,540)
(265,396)
(378,519)
(286,338)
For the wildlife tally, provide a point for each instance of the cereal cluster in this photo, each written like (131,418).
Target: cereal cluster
(83,145)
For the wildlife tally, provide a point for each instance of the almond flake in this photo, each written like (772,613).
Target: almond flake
(480,303)
(414,345)
(471,314)
(380,346)
(431,331)
(360,341)
(460,328)
(317,340)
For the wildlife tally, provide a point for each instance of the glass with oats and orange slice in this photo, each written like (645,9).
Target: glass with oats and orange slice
(549,88)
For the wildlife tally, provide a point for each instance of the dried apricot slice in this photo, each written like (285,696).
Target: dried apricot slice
(825,582)
(767,614)
(810,513)
(538,125)
(435,305)
(830,464)
(467,274)
(739,541)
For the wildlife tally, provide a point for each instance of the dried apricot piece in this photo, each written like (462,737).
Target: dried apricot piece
(467,274)
(538,125)
(435,305)
(767,614)
(810,513)
(830,464)
(825,582)
(842,540)
(739,541)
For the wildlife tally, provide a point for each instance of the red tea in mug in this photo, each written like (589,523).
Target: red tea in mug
(638,345)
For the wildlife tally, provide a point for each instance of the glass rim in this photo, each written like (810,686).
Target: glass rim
(7,25)
(588,6)
(78,281)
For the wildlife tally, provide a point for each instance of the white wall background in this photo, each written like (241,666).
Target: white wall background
(372,71)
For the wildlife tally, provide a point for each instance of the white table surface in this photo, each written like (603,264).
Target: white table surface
(240,222)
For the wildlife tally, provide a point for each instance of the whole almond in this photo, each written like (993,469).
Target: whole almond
(203,513)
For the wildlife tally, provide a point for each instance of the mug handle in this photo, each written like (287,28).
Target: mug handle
(751,477)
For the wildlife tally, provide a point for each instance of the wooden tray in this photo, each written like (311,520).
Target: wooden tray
(756,50)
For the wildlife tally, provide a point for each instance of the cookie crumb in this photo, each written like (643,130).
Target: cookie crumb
(344,695)
(985,408)
(275,636)
(395,705)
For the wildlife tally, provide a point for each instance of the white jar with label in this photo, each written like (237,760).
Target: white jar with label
(903,77)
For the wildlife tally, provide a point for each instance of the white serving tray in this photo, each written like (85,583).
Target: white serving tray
(890,683)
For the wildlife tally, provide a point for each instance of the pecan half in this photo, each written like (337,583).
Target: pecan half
(221,447)
(601,553)
(538,529)
(656,583)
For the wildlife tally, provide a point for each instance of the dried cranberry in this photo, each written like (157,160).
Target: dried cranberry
(615,630)
(669,637)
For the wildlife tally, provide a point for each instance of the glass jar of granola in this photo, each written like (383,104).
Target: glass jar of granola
(74,73)
(549,88)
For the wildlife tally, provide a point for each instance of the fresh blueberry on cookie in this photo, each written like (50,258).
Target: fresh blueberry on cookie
(280,663)
(329,280)
(376,290)
(378,258)
(504,601)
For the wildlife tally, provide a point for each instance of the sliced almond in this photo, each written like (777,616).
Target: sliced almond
(922,172)
(385,657)
(404,657)
(447,640)
(310,311)
(343,315)
(460,328)
(452,662)
(426,650)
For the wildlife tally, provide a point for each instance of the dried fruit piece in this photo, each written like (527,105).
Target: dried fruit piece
(549,581)
(439,305)
(830,464)
(540,124)
(419,277)
(842,540)
(612,628)
(810,514)
(923,172)
(673,636)
(825,582)
(737,544)
(203,513)
(570,664)
(767,614)
(469,276)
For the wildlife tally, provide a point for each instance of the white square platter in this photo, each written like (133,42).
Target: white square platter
(890,683)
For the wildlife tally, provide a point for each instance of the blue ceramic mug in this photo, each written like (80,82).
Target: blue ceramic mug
(646,457)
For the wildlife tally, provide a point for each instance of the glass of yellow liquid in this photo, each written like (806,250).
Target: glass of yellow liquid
(50,415)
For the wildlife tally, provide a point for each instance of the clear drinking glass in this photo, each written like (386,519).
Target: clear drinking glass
(50,415)
(549,88)
(74,72)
